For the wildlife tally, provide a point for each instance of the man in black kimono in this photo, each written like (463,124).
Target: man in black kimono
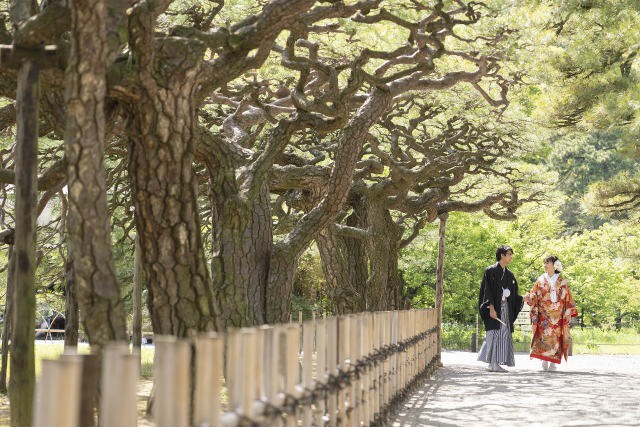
(499,305)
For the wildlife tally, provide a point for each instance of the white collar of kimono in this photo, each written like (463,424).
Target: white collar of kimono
(552,279)
(552,282)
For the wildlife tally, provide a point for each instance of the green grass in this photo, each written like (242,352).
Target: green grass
(585,341)
(53,350)
(605,341)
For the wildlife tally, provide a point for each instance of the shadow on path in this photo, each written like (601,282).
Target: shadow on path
(594,391)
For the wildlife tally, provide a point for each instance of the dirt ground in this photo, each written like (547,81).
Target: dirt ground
(589,390)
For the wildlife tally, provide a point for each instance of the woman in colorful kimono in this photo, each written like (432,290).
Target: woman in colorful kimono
(552,308)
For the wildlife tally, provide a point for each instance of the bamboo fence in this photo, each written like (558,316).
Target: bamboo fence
(347,371)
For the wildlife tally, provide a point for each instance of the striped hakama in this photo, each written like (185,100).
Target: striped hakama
(497,347)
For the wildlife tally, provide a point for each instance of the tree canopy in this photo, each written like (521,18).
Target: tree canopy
(267,155)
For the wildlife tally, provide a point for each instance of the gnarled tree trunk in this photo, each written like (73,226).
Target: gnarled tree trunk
(287,252)
(162,135)
(242,245)
(345,263)
(384,287)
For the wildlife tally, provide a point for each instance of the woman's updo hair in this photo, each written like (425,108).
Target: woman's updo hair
(552,259)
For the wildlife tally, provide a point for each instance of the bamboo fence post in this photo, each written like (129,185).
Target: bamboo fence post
(395,383)
(308,331)
(340,419)
(57,402)
(412,329)
(375,396)
(384,341)
(248,371)
(261,391)
(234,375)
(419,331)
(425,341)
(407,325)
(428,337)
(434,338)
(384,363)
(171,373)
(292,369)
(409,355)
(354,358)
(120,372)
(273,377)
(365,351)
(418,345)
(232,368)
(209,371)
(332,367)
(401,356)
(344,360)
(321,368)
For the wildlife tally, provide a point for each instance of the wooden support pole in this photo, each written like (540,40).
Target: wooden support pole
(440,280)
(22,358)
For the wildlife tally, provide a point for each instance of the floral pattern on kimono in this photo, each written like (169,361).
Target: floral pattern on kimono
(550,321)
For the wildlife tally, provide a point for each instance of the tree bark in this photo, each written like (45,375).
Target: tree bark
(163,130)
(22,358)
(89,230)
(384,287)
(6,324)
(72,310)
(242,246)
(345,264)
(138,285)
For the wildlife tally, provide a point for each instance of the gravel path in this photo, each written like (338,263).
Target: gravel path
(590,390)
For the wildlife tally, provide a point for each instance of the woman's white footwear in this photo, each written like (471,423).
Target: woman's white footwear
(545,365)
(552,366)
